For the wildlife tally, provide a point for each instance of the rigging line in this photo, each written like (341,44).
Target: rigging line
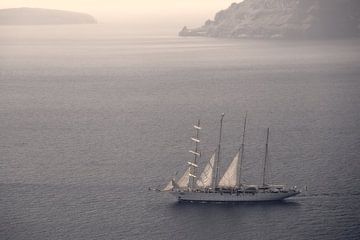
(219,149)
(242,151)
(266,156)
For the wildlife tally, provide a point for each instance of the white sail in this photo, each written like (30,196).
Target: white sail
(183,182)
(230,177)
(169,186)
(206,176)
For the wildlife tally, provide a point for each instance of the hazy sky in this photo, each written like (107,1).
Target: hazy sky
(188,12)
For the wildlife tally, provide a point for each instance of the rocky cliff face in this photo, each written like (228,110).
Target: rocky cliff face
(38,16)
(284,19)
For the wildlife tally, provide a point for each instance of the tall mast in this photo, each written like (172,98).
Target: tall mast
(218,153)
(193,164)
(242,152)
(266,157)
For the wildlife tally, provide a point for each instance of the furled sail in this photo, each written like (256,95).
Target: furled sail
(230,177)
(184,180)
(195,153)
(206,176)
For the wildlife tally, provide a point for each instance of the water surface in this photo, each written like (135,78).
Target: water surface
(91,116)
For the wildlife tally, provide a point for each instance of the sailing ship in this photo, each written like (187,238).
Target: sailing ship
(209,187)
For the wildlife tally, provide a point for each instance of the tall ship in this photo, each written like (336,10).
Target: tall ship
(209,186)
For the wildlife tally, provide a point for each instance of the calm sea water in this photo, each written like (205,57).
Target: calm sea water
(90,117)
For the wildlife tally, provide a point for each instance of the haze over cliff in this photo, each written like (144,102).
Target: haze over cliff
(39,16)
(284,19)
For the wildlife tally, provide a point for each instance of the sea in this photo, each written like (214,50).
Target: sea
(91,116)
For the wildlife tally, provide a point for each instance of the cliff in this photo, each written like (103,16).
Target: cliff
(38,16)
(284,19)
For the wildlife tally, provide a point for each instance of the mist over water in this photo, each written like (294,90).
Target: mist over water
(91,116)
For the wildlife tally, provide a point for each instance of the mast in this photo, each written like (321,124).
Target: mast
(242,152)
(193,165)
(266,157)
(196,154)
(218,153)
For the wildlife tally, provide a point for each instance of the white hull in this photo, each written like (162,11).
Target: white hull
(232,197)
